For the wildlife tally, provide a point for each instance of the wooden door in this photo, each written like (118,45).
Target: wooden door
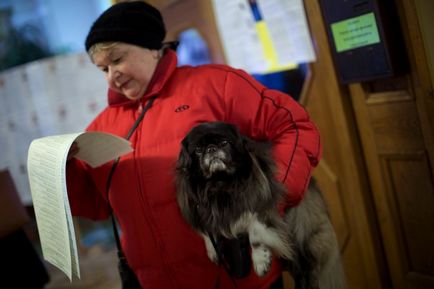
(341,173)
(395,121)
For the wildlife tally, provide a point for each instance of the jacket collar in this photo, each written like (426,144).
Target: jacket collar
(165,68)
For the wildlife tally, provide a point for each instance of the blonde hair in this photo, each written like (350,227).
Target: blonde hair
(101,46)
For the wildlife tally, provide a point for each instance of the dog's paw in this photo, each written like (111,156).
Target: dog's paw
(210,250)
(261,257)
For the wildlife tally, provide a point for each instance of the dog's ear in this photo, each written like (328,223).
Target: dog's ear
(239,140)
(247,143)
(184,192)
(184,182)
(184,158)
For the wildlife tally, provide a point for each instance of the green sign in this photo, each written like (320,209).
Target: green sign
(355,32)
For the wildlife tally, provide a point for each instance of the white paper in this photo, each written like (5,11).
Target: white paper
(286,23)
(97,148)
(236,25)
(46,165)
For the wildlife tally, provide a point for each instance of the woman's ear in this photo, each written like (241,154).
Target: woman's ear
(156,54)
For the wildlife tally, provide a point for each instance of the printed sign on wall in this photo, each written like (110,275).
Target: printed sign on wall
(264,36)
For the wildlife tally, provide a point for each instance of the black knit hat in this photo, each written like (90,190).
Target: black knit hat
(135,23)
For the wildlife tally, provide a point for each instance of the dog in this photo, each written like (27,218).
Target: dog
(226,187)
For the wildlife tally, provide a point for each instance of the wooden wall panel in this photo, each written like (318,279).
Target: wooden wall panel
(394,121)
(341,174)
(397,140)
(402,184)
(334,196)
(414,207)
(420,71)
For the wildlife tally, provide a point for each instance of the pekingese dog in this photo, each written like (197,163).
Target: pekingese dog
(226,188)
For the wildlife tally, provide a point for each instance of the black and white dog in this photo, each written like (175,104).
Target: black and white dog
(226,187)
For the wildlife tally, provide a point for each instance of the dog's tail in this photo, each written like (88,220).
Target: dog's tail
(313,229)
(332,275)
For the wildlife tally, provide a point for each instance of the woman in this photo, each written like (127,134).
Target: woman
(126,43)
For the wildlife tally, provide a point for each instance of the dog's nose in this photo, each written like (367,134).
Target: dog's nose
(211,149)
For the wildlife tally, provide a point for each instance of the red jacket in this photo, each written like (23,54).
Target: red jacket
(160,246)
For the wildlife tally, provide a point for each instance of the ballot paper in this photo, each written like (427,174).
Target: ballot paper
(46,164)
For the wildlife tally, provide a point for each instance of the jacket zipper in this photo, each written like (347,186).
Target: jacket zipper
(149,217)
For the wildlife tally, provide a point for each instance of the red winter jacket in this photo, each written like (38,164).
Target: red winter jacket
(160,246)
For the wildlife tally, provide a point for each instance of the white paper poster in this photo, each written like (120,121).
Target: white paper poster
(45,97)
(264,36)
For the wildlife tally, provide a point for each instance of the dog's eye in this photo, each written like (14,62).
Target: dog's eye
(198,150)
(224,143)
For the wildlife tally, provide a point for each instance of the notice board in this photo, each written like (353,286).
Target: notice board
(366,39)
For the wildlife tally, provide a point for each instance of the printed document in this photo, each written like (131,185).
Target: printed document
(46,168)
(264,36)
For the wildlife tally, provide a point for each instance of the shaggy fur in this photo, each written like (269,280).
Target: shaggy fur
(226,187)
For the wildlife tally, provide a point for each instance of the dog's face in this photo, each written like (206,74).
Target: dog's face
(222,174)
(212,148)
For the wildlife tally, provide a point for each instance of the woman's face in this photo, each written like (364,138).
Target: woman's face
(128,68)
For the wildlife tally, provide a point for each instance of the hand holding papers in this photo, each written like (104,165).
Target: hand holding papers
(47,167)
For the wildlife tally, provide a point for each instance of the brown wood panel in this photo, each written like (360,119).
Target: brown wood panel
(394,118)
(414,205)
(402,186)
(334,196)
(394,121)
(420,71)
(341,174)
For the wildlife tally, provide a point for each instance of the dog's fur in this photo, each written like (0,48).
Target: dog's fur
(226,187)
